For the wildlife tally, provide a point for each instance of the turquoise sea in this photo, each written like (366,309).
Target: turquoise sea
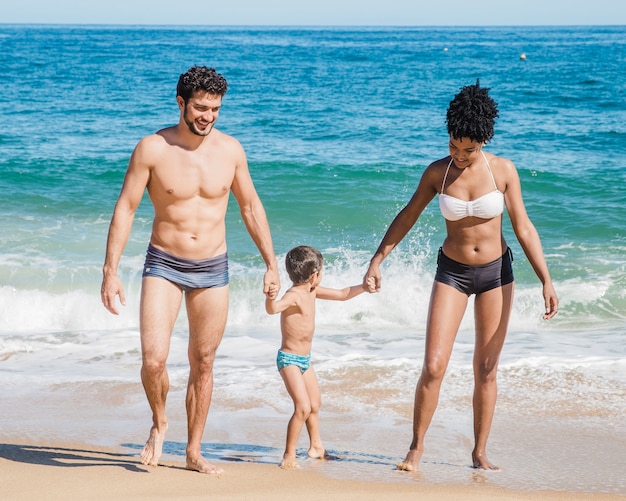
(338,125)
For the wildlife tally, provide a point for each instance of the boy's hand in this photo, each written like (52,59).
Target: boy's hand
(272,291)
(369,284)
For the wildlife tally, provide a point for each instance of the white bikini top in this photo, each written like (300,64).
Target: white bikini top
(487,206)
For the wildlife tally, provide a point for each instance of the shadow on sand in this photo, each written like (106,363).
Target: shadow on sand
(68,457)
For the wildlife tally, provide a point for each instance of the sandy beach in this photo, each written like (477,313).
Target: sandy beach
(71,471)
(82,441)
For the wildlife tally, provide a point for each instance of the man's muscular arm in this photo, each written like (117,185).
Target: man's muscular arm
(135,182)
(255,219)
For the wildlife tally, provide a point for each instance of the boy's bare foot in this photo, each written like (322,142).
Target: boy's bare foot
(481,463)
(315,453)
(201,465)
(153,449)
(289,464)
(411,461)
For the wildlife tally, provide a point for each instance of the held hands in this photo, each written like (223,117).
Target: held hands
(272,291)
(372,279)
(271,284)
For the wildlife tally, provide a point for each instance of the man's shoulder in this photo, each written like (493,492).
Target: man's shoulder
(147,148)
(161,137)
(224,139)
(168,135)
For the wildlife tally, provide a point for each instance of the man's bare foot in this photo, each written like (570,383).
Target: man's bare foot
(289,464)
(411,461)
(482,463)
(153,449)
(201,465)
(314,453)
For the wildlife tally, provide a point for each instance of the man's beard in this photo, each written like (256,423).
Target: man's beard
(194,129)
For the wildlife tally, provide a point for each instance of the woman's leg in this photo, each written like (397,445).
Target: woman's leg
(447,306)
(492,313)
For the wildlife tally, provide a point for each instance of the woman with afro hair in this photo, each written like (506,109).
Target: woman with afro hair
(473,187)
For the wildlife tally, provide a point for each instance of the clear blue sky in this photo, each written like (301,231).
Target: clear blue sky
(317,12)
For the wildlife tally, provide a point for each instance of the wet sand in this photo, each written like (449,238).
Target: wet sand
(70,471)
(82,441)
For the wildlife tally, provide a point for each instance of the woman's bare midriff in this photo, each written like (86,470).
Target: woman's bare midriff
(474,241)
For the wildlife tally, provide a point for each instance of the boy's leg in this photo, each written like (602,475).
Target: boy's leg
(296,387)
(316,449)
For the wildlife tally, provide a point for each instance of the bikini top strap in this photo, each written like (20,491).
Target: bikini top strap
(489,168)
(443,184)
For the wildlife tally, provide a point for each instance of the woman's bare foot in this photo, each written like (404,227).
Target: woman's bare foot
(153,449)
(481,463)
(411,461)
(289,464)
(201,465)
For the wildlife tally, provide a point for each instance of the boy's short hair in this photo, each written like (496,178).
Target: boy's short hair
(201,78)
(472,114)
(301,262)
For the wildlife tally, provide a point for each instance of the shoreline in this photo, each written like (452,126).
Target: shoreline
(60,471)
(551,447)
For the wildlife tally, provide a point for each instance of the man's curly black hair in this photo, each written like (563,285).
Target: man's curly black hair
(201,78)
(472,114)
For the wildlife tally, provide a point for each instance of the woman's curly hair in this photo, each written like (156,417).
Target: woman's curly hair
(201,78)
(472,114)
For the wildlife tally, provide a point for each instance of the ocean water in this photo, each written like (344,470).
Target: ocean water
(338,125)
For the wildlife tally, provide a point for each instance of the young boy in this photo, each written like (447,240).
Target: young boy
(297,324)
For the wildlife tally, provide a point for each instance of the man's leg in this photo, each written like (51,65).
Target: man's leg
(160,302)
(207,310)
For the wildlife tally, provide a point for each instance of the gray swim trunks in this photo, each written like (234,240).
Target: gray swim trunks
(188,274)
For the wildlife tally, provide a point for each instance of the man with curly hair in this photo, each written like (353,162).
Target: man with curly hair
(474,187)
(189,171)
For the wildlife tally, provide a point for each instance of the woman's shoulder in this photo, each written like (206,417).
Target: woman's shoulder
(438,167)
(435,171)
(504,172)
(439,163)
(500,165)
(498,161)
